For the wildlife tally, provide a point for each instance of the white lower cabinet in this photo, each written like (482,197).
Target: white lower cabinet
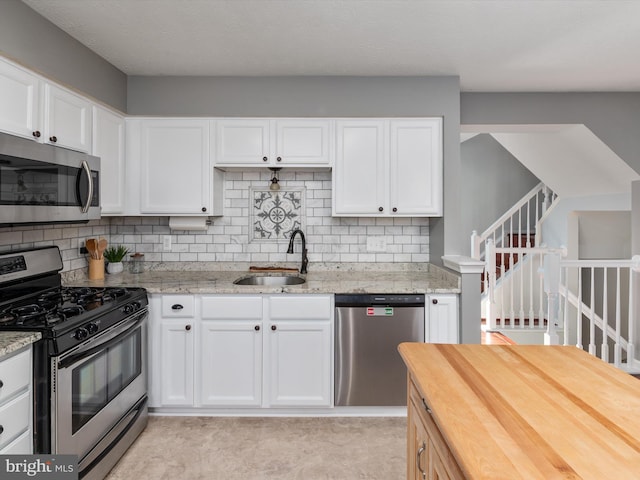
(250,351)
(442,319)
(16,403)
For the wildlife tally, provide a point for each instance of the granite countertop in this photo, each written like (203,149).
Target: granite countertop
(12,341)
(431,279)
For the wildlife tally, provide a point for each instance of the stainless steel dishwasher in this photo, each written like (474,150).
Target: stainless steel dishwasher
(369,328)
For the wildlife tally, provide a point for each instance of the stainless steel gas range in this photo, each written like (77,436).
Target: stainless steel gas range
(90,374)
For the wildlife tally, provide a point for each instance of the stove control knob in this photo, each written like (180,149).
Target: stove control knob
(81,334)
(136,305)
(92,328)
(128,309)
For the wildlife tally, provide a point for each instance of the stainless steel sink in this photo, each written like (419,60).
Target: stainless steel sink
(270,280)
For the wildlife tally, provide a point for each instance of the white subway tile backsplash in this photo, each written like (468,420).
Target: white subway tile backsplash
(329,239)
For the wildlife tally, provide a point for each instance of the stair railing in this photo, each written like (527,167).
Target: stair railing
(600,307)
(518,224)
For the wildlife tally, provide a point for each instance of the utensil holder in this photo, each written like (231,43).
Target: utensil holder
(96,269)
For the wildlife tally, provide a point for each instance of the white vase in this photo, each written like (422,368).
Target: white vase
(115,267)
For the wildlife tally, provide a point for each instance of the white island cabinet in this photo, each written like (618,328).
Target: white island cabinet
(16,403)
(241,351)
(388,167)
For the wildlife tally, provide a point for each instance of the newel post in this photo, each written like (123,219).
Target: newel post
(552,289)
(490,282)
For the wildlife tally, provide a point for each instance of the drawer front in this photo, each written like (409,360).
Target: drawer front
(23,445)
(15,374)
(178,306)
(231,307)
(14,418)
(298,307)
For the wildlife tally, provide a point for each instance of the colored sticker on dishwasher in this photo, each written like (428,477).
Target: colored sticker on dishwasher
(379,311)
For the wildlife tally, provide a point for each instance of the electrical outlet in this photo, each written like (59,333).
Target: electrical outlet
(166,242)
(376,244)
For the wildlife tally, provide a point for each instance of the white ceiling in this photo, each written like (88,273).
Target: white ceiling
(493,45)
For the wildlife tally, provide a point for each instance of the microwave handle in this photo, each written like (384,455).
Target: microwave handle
(87,170)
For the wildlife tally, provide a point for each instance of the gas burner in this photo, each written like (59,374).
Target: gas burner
(48,298)
(69,312)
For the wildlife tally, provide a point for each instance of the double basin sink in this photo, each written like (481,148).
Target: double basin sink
(270,280)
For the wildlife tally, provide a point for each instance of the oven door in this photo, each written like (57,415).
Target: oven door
(97,385)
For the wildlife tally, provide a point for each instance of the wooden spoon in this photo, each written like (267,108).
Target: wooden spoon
(91,247)
(102,246)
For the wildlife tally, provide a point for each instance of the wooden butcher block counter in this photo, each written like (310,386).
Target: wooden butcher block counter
(519,412)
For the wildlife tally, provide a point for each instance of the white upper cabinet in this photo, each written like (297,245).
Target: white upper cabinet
(67,119)
(108,144)
(174,167)
(273,142)
(388,167)
(19,101)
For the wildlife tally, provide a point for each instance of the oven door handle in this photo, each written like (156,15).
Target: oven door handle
(76,357)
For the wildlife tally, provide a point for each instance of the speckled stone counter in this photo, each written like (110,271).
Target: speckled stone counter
(429,279)
(13,341)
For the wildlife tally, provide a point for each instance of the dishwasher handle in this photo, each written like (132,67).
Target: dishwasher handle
(391,300)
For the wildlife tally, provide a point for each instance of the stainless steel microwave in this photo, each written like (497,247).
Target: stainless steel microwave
(46,184)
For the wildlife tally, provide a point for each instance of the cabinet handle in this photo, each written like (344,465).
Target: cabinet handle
(395,209)
(419,460)
(274,328)
(53,139)
(177,306)
(380,209)
(426,407)
(257,328)
(278,159)
(36,134)
(434,301)
(204,209)
(187,327)
(265,159)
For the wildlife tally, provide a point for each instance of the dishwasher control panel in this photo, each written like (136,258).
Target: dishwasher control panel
(374,300)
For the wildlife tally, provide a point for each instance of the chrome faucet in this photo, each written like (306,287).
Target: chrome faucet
(305,260)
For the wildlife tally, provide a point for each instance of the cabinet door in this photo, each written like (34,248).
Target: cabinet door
(359,175)
(67,119)
(302,142)
(418,446)
(176,362)
(442,319)
(242,142)
(231,363)
(19,101)
(108,144)
(298,363)
(415,167)
(175,173)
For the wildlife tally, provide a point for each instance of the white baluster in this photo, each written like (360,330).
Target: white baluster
(490,262)
(592,320)
(617,351)
(604,353)
(551,288)
(579,312)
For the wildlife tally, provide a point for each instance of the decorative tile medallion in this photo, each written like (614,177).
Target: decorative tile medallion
(276,214)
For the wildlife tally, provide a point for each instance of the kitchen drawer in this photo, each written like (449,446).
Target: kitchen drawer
(297,307)
(14,418)
(230,307)
(23,445)
(178,306)
(15,374)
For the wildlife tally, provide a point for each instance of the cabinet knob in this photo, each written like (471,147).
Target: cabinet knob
(380,209)
(1,384)
(53,139)
(274,328)
(1,429)
(204,209)
(434,301)
(176,306)
(395,209)
(187,327)
(257,328)
(264,159)
(36,134)
(279,159)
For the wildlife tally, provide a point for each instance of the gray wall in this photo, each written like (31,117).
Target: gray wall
(323,96)
(36,43)
(613,117)
(493,180)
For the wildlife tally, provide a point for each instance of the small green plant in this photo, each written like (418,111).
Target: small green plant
(115,254)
